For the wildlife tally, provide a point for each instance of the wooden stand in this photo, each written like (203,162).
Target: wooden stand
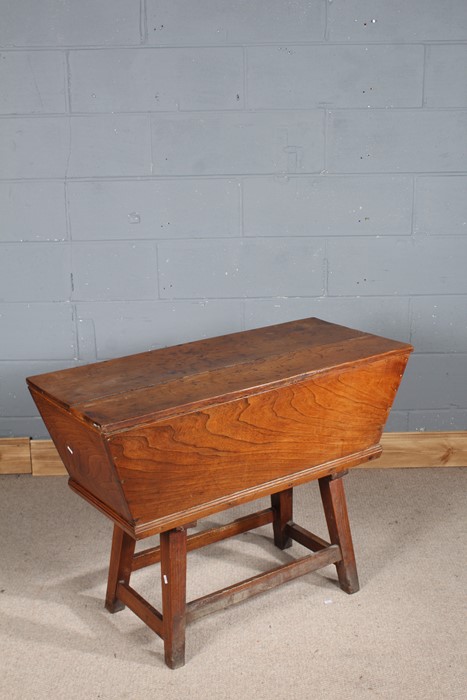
(172,554)
(163,438)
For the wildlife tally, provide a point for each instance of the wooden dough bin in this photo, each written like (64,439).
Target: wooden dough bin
(163,438)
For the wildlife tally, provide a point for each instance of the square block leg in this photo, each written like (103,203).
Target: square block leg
(121,557)
(173,579)
(282,505)
(335,510)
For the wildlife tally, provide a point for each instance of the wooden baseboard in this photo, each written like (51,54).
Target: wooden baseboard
(400,451)
(45,460)
(407,450)
(15,456)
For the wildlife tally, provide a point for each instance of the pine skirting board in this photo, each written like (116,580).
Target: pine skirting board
(400,450)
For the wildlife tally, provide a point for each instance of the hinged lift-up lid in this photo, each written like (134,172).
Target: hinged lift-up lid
(135,390)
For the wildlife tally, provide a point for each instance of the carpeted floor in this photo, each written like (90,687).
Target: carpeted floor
(401,637)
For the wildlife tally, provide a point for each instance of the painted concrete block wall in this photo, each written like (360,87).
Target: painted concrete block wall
(177,169)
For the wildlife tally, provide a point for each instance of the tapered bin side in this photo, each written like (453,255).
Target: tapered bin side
(176,464)
(85,456)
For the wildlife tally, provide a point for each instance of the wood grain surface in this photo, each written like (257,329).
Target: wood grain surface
(15,457)
(161,437)
(142,388)
(182,462)
(45,460)
(84,454)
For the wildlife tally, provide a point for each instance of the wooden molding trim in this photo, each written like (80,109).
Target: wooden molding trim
(400,450)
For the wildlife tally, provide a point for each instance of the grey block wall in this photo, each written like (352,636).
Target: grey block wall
(177,169)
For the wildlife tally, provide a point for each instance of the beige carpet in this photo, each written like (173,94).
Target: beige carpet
(402,636)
